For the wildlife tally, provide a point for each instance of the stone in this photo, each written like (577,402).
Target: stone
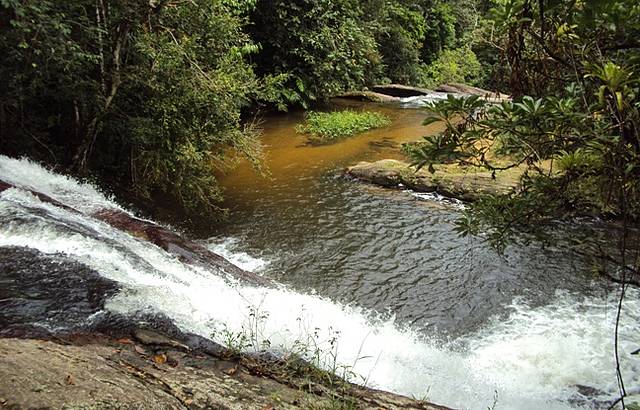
(104,378)
(448,180)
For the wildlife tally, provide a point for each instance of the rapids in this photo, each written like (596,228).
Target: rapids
(548,347)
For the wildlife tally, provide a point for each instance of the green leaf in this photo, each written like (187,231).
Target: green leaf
(431,120)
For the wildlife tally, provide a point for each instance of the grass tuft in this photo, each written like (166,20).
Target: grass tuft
(326,127)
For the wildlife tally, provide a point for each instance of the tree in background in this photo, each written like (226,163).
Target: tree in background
(147,95)
(322,47)
(400,35)
(440,30)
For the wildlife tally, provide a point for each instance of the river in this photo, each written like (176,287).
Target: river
(375,283)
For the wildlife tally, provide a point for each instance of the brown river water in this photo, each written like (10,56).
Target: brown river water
(289,159)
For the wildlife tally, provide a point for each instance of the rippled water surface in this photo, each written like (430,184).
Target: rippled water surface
(378,248)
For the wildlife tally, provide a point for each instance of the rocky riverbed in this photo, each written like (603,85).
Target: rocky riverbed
(62,346)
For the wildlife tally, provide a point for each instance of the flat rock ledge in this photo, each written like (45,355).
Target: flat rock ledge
(143,373)
(394,93)
(466,186)
(370,96)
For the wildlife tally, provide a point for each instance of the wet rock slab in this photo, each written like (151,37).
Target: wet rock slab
(41,294)
(184,249)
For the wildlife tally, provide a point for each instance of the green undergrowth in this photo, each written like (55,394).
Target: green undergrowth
(326,127)
(310,363)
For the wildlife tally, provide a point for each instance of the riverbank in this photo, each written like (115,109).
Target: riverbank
(149,370)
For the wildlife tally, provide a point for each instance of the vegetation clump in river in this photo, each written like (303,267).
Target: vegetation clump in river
(325,127)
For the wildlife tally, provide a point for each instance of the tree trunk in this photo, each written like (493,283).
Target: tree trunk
(83,152)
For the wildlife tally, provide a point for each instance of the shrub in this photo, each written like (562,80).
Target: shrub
(459,65)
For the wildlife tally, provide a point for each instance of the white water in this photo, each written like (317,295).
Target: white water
(533,359)
(436,197)
(227,248)
(422,100)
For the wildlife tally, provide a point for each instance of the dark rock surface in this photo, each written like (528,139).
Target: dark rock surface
(43,294)
(400,91)
(184,249)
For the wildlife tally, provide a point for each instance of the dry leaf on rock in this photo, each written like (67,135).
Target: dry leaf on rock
(139,349)
(160,358)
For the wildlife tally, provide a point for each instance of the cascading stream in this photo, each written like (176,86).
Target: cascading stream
(552,355)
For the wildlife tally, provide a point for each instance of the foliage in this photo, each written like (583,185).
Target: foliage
(595,167)
(453,66)
(144,95)
(579,140)
(48,85)
(543,44)
(325,127)
(192,75)
(400,35)
(320,46)
(440,31)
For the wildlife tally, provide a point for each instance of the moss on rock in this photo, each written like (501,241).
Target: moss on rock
(466,184)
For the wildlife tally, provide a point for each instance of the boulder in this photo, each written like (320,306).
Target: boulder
(370,96)
(401,91)
(448,180)
(463,89)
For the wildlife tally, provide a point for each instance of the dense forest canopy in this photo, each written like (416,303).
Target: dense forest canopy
(152,97)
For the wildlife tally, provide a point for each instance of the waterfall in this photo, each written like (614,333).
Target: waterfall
(554,356)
